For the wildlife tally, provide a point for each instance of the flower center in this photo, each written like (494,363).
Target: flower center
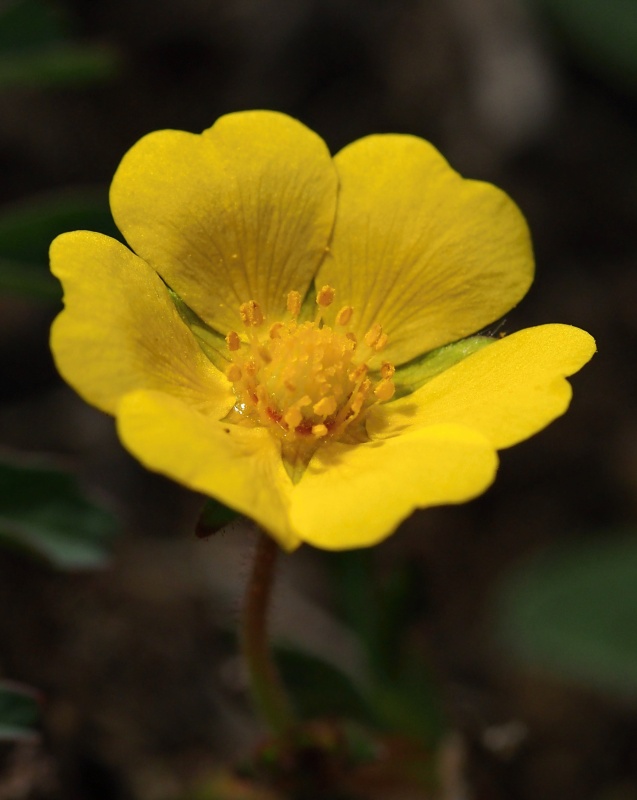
(305,380)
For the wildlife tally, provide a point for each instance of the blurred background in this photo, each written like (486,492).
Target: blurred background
(516,613)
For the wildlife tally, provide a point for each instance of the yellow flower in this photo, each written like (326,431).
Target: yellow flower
(287,332)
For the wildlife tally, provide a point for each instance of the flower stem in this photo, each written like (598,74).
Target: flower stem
(265,683)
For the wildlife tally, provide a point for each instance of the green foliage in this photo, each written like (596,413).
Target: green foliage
(318,688)
(46,513)
(26,232)
(574,611)
(19,712)
(402,695)
(35,50)
(602,32)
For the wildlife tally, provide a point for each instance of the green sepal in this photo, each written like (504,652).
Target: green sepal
(420,370)
(212,343)
(214,516)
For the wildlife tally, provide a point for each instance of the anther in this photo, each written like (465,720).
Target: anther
(325,406)
(319,430)
(385,390)
(373,335)
(251,314)
(233,341)
(294,303)
(352,337)
(359,373)
(265,355)
(387,370)
(293,418)
(233,373)
(275,330)
(325,296)
(344,315)
(381,343)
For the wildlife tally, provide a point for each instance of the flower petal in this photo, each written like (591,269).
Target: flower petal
(120,330)
(356,495)
(507,391)
(240,466)
(242,212)
(428,255)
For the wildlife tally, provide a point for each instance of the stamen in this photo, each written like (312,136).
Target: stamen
(387,370)
(294,303)
(233,341)
(325,296)
(319,430)
(233,373)
(325,406)
(344,315)
(251,314)
(293,418)
(373,335)
(381,343)
(275,330)
(385,390)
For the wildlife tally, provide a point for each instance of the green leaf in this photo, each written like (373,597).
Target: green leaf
(602,32)
(319,689)
(45,512)
(27,229)
(60,64)
(574,611)
(19,712)
(30,23)
(416,373)
(213,517)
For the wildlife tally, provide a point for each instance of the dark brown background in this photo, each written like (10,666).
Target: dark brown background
(141,691)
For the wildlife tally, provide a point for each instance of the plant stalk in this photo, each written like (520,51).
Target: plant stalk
(265,683)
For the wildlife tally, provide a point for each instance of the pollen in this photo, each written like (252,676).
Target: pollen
(302,379)
(373,335)
(251,314)
(344,316)
(294,303)
(325,296)
(233,341)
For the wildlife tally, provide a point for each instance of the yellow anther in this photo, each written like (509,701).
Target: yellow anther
(344,315)
(293,418)
(359,373)
(233,373)
(264,354)
(387,370)
(251,314)
(233,341)
(385,390)
(294,303)
(325,296)
(352,337)
(382,341)
(319,430)
(304,401)
(325,406)
(275,330)
(373,335)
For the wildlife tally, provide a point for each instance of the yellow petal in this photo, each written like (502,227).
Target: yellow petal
(428,255)
(242,212)
(507,391)
(120,330)
(239,466)
(356,495)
